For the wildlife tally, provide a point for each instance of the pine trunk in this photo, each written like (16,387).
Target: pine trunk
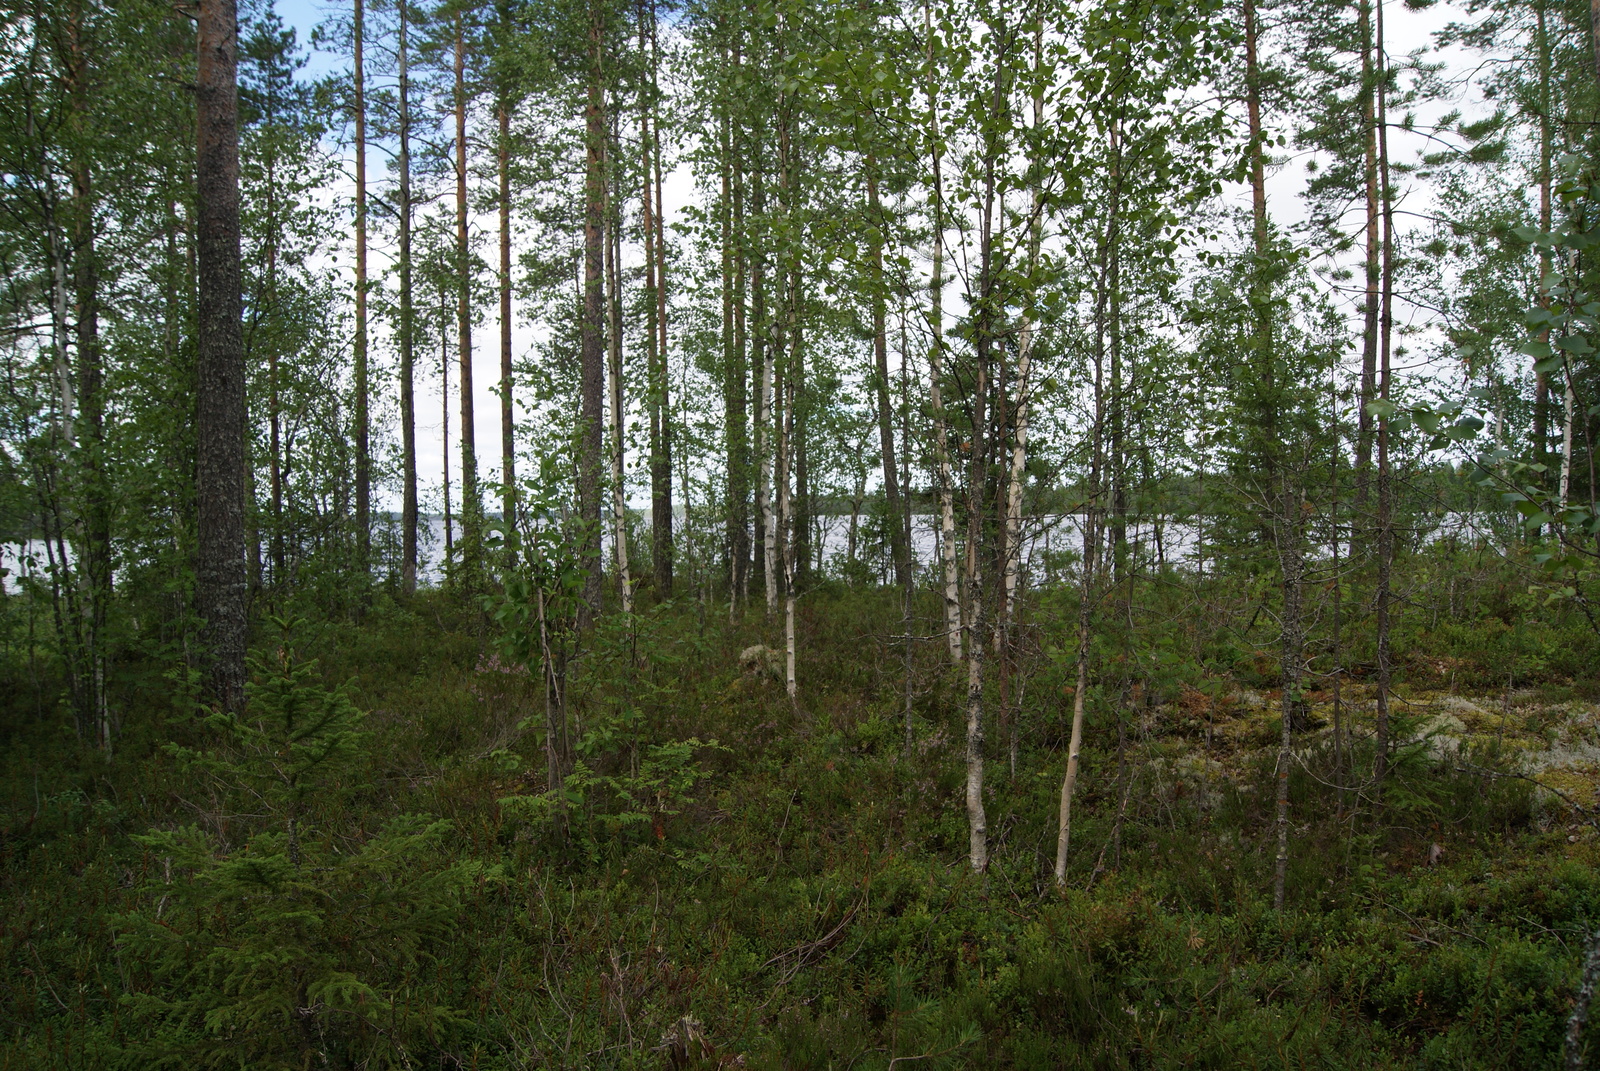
(508,446)
(220,580)
(592,358)
(363,420)
(408,404)
(471,503)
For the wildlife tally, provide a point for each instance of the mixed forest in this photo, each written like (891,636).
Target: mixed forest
(1021,534)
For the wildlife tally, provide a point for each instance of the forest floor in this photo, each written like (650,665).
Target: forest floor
(726,879)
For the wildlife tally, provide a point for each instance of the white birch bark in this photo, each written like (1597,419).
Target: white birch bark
(947,511)
(1069,782)
(764,477)
(785,511)
(977,819)
(1566,442)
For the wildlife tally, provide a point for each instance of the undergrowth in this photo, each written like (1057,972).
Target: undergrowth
(370,869)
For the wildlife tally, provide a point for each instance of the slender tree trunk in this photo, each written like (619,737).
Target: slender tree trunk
(471,502)
(1571,400)
(96,497)
(908,584)
(447,570)
(661,520)
(941,439)
(220,580)
(408,405)
(785,514)
(1019,443)
(1541,381)
(734,401)
(764,431)
(760,373)
(592,366)
(508,444)
(977,479)
(1385,518)
(363,420)
(1336,625)
(616,421)
(880,354)
(1372,265)
(1091,564)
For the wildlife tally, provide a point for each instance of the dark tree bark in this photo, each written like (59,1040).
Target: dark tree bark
(362,417)
(95,717)
(1369,332)
(660,393)
(880,364)
(408,405)
(592,359)
(507,411)
(1382,597)
(220,577)
(471,505)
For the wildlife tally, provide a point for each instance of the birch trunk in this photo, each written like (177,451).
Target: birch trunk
(1019,445)
(941,440)
(982,443)
(764,477)
(1566,437)
(1089,573)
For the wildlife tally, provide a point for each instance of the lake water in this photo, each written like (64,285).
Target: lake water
(1046,544)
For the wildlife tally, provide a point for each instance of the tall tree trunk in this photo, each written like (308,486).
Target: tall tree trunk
(977,481)
(95,539)
(363,420)
(1385,548)
(508,444)
(447,570)
(1281,488)
(408,403)
(941,438)
(734,385)
(471,502)
(1019,437)
(767,353)
(877,225)
(592,361)
(220,580)
(661,542)
(615,420)
(1372,264)
(1541,381)
(1091,566)
(785,510)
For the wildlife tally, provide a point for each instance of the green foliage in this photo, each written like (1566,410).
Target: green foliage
(280,933)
